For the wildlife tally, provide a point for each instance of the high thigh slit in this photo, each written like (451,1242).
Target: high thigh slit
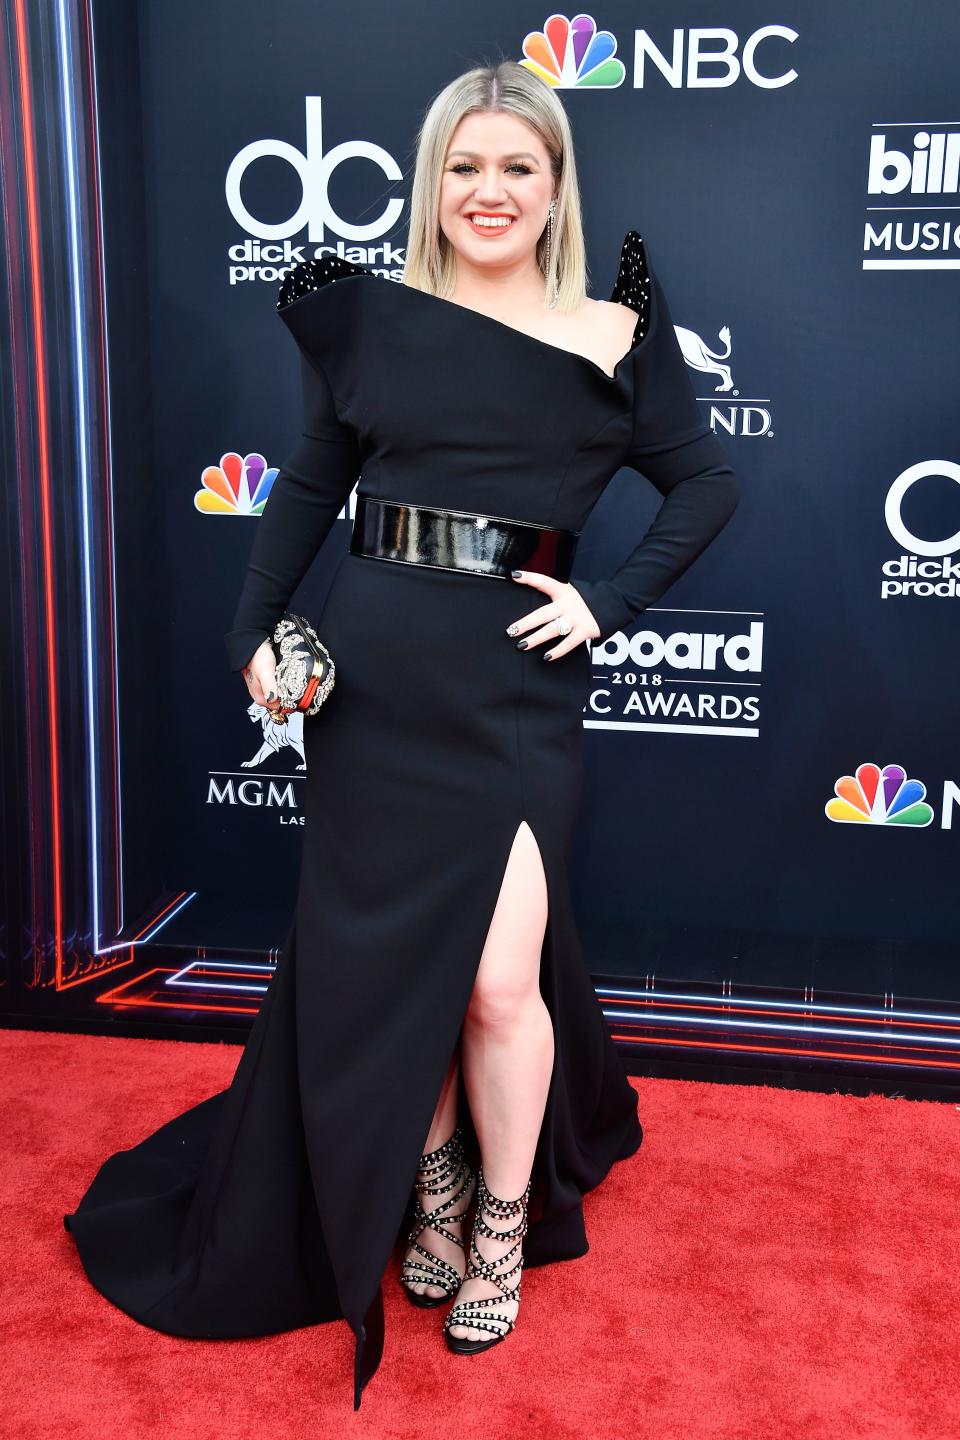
(524,878)
(278,1202)
(536,869)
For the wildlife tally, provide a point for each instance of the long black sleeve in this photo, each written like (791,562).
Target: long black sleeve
(680,455)
(311,488)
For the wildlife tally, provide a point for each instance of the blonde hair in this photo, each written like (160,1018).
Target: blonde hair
(505,87)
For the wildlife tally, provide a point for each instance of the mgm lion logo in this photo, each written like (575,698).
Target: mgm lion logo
(707,362)
(275,737)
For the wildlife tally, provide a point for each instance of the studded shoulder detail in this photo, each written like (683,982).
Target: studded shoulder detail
(633,282)
(314,274)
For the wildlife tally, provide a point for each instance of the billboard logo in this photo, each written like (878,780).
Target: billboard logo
(932,167)
(938,575)
(879,797)
(239,485)
(700,680)
(915,172)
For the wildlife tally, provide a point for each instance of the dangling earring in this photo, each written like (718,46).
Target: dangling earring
(556,293)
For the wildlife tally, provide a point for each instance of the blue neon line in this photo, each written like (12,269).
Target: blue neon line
(734,1002)
(890,1037)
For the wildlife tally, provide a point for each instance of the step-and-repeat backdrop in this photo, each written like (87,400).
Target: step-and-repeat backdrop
(772,777)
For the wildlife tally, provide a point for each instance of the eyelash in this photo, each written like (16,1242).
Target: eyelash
(465,165)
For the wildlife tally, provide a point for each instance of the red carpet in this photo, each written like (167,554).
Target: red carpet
(770,1265)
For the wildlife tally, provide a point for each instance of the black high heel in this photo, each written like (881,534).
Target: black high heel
(440,1169)
(465,1311)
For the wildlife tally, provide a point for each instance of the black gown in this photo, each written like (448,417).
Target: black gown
(277,1202)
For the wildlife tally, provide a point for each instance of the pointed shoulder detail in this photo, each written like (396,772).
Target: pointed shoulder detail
(633,281)
(314,275)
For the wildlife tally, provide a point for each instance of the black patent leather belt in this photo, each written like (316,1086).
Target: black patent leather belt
(459,540)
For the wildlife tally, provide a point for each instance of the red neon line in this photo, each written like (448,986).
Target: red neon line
(116,998)
(145,1004)
(33,237)
(782,1050)
(884,1044)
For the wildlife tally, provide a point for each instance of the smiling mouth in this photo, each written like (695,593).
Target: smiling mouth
(489,224)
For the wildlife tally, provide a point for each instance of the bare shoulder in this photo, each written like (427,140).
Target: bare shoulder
(611,316)
(606,329)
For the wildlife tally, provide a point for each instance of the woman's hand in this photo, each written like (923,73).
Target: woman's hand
(565,604)
(261,676)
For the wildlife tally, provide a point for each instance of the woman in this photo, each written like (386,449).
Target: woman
(431,1037)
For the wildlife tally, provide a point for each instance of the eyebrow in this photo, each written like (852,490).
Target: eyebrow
(513,155)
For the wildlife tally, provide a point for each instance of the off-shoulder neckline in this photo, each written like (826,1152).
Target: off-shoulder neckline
(632,259)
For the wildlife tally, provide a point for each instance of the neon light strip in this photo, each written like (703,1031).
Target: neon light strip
(119,919)
(224,965)
(743,1002)
(898,1036)
(800,1012)
(119,996)
(216,987)
(914,1062)
(107,442)
(70,187)
(31,193)
(187,978)
(151,932)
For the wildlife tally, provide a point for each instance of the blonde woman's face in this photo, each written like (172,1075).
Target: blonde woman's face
(495,190)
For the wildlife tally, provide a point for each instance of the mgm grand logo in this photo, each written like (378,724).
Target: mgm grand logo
(745,416)
(269,787)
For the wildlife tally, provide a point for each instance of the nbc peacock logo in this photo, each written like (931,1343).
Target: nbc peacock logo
(239,485)
(573,54)
(879,797)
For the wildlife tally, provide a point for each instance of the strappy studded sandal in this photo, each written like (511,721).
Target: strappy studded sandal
(478,1313)
(437,1171)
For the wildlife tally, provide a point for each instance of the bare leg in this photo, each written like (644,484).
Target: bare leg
(441,1128)
(507,1053)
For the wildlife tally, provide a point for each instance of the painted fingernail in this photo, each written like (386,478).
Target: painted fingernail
(511,629)
(516,574)
(548,657)
(522,644)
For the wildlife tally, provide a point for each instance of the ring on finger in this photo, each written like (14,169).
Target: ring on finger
(563,626)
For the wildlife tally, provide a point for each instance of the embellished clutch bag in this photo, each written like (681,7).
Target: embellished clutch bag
(305,668)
